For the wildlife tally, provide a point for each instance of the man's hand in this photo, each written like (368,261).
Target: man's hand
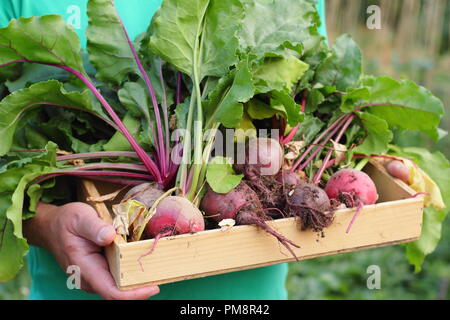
(75,235)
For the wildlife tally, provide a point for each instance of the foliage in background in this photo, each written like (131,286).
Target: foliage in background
(398,51)
(345,276)
(414,42)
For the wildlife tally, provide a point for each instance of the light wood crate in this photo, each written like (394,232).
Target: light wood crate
(397,218)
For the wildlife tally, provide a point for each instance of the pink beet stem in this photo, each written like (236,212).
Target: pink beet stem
(291,134)
(319,174)
(118,166)
(421,194)
(148,162)
(322,145)
(88,173)
(160,142)
(315,142)
(124,182)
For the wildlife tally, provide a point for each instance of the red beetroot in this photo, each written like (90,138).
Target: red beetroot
(177,215)
(352,182)
(353,188)
(397,169)
(173,216)
(242,205)
(262,162)
(263,157)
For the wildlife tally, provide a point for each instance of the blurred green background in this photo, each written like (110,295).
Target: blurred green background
(413,42)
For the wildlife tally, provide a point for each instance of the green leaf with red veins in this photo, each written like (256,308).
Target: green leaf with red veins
(13,107)
(15,178)
(404,104)
(23,39)
(437,166)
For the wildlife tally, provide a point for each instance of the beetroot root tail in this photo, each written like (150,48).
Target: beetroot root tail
(250,219)
(358,211)
(153,247)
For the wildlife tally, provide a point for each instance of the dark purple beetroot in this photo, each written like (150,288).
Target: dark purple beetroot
(145,193)
(312,205)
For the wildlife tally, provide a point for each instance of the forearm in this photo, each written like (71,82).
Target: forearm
(35,229)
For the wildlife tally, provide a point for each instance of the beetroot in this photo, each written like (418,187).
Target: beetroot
(312,205)
(261,163)
(242,205)
(145,193)
(397,169)
(353,188)
(173,216)
(289,178)
(263,157)
(176,215)
(351,185)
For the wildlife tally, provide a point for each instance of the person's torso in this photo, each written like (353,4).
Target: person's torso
(136,14)
(50,282)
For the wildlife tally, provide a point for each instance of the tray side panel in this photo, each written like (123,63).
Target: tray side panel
(388,188)
(244,247)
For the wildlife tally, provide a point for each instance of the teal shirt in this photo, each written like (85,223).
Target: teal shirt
(48,279)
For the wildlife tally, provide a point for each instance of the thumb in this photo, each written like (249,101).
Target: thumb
(89,226)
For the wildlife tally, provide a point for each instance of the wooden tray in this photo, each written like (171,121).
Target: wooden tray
(397,218)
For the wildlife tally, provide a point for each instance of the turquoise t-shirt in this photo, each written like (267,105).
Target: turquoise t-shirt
(48,279)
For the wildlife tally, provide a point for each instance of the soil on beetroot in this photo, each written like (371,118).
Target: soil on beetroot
(270,193)
(244,206)
(286,196)
(349,199)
